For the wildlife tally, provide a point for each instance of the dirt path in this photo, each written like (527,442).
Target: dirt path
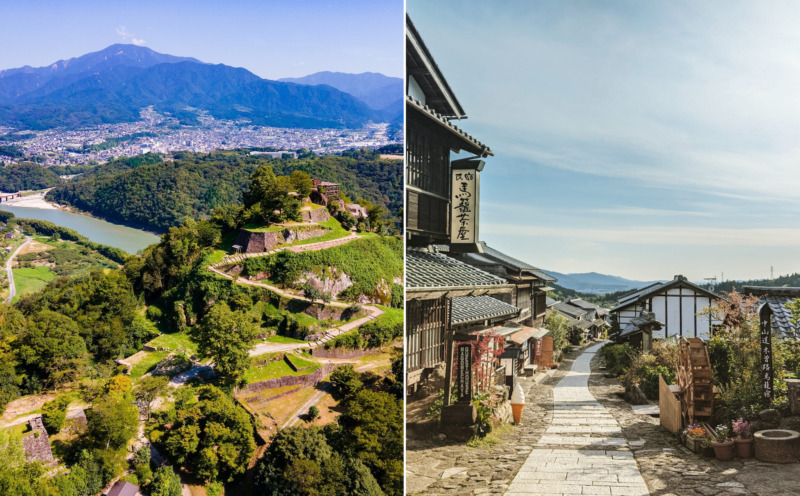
(229,259)
(326,389)
(12,290)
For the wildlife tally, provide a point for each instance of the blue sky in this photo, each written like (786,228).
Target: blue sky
(641,139)
(273,39)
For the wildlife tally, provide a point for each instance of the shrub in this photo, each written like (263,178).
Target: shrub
(313,412)
(54,414)
(618,358)
(649,379)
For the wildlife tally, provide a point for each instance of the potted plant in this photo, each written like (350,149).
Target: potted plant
(695,435)
(724,448)
(743,439)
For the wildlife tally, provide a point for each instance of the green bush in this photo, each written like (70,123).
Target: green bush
(618,358)
(649,379)
(54,414)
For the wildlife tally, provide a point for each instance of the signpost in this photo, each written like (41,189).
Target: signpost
(766,354)
(464,201)
(464,373)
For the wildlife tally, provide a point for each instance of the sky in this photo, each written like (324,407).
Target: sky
(273,39)
(640,139)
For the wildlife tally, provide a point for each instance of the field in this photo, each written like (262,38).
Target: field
(175,341)
(28,280)
(147,363)
(263,369)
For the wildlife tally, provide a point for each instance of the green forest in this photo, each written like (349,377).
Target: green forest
(158,193)
(65,338)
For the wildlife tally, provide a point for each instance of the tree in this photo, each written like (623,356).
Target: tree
(165,482)
(302,183)
(54,413)
(112,421)
(212,437)
(345,380)
(313,413)
(149,389)
(225,336)
(373,429)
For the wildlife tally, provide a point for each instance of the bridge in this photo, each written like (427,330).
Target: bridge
(4,197)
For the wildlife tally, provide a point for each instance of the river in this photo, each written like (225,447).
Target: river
(126,238)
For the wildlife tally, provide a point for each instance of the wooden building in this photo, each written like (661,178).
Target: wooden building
(436,285)
(530,293)
(430,138)
(676,303)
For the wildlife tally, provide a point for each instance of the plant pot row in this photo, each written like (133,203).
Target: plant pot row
(743,448)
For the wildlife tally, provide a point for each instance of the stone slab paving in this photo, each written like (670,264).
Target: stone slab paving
(438,466)
(583,450)
(669,469)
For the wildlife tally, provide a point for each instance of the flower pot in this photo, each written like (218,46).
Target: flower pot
(724,451)
(744,447)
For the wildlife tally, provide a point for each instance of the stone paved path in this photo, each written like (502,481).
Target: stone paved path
(582,451)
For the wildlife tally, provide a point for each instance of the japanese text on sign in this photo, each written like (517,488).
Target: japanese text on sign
(464,206)
(464,373)
(766,360)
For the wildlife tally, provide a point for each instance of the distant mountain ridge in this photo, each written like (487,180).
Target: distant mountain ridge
(376,90)
(595,283)
(112,85)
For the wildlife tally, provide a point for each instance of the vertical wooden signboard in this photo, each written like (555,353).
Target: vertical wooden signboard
(766,355)
(464,373)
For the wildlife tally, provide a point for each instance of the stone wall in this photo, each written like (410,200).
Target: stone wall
(258,242)
(316,215)
(293,380)
(37,443)
(343,353)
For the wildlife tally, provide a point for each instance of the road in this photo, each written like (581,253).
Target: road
(12,290)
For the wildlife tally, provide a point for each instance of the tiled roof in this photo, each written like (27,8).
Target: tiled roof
(427,270)
(780,314)
(658,287)
(569,310)
(515,263)
(550,301)
(477,147)
(467,309)
(646,319)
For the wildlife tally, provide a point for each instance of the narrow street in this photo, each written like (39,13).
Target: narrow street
(579,436)
(582,451)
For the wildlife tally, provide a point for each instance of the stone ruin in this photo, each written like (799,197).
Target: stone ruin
(37,444)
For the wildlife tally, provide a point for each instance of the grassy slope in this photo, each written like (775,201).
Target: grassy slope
(28,280)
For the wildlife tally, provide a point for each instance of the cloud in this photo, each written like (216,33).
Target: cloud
(657,235)
(128,36)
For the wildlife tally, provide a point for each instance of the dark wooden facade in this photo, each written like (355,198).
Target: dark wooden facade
(426,323)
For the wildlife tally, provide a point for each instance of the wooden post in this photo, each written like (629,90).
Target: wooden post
(766,355)
(448,367)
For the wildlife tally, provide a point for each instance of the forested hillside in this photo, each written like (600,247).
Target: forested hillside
(158,194)
(27,176)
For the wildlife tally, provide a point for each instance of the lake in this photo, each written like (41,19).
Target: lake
(126,238)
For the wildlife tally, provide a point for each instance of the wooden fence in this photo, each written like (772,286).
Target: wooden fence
(669,407)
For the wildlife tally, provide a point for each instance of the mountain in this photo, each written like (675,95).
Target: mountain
(379,92)
(592,282)
(114,84)
(14,83)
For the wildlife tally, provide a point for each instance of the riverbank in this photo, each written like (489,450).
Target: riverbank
(33,200)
